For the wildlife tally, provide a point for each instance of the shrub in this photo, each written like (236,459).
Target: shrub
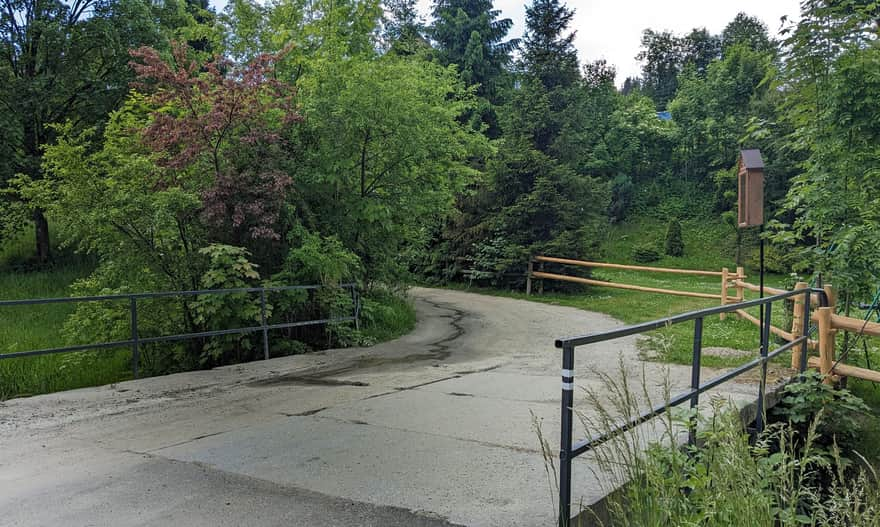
(674,240)
(645,253)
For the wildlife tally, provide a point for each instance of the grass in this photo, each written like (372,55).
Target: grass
(385,316)
(24,328)
(785,478)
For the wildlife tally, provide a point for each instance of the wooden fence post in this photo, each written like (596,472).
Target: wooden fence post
(798,319)
(725,276)
(529,277)
(826,342)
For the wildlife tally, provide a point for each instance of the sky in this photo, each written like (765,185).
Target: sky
(612,29)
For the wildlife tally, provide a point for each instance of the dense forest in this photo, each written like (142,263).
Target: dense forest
(319,141)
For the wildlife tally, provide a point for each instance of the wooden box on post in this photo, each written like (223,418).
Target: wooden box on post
(750,184)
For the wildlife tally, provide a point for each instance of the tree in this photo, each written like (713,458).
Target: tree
(470,34)
(674,242)
(385,156)
(548,52)
(404,28)
(65,62)
(699,49)
(662,59)
(747,30)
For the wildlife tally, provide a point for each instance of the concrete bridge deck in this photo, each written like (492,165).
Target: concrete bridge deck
(432,429)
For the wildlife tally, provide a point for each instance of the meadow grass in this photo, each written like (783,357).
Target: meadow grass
(24,328)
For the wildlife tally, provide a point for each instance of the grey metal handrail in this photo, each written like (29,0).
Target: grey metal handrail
(569,451)
(136,340)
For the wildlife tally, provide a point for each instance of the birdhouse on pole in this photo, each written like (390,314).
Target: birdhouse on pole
(750,185)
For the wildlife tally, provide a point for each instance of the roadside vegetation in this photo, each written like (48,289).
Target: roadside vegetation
(806,468)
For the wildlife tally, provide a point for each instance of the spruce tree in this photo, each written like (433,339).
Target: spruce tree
(470,33)
(549,52)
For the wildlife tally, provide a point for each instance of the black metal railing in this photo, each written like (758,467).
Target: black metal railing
(569,451)
(136,341)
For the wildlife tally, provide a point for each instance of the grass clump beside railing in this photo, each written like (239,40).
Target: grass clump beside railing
(790,475)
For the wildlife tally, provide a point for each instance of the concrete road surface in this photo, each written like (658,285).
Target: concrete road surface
(432,429)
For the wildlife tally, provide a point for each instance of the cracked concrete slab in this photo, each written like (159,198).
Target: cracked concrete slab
(433,429)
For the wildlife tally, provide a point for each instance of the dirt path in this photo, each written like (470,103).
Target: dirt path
(434,428)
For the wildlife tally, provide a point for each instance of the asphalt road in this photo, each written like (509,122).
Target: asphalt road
(434,429)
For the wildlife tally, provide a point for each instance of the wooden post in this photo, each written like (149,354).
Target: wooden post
(725,276)
(798,319)
(529,278)
(826,342)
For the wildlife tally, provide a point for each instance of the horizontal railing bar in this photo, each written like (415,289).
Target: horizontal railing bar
(581,263)
(600,283)
(169,338)
(585,445)
(310,323)
(165,294)
(53,351)
(643,327)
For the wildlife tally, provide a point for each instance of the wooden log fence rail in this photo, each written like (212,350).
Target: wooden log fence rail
(828,322)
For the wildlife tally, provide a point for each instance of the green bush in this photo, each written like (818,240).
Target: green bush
(674,240)
(645,253)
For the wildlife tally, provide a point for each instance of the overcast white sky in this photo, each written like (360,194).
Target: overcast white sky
(612,29)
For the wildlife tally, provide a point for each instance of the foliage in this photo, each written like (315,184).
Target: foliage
(674,241)
(836,410)
(645,253)
(723,479)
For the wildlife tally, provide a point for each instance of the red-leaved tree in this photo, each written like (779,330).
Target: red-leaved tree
(222,127)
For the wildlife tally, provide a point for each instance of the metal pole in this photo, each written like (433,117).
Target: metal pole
(263,323)
(695,378)
(765,344)
(135,348)
(529,277)
(357,307)
(567,424)
(806,332)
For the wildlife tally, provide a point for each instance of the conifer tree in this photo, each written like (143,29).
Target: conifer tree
(549,52)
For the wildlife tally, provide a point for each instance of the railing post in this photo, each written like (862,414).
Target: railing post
(263,323)
(567,426)
(807,322)
(357,307)
(541,281)
(695,378)
(725,276)
(799,320)
(529,277)
(765,344)
(740,291)
(135,347)
(826,342)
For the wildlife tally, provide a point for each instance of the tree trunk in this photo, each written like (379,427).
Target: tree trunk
(41,226)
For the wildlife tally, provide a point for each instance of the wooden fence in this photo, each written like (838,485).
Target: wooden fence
(829,323)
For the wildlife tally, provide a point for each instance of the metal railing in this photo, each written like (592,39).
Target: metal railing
(136,341)
(569,451)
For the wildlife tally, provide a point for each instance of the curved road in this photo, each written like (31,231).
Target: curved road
(432,429)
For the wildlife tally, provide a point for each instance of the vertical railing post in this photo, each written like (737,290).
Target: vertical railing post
(799,320)
(541,281)
(805,347)
(695,379)
(529,277)
(567,426)
(765,345)
(263,323)
(135,347)
(357,307)
(826,342)
(725,278)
